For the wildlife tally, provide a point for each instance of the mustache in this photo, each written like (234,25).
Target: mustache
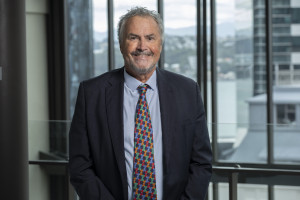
(139,53)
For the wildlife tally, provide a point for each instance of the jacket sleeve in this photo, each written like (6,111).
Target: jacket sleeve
(200,168)
(82,175)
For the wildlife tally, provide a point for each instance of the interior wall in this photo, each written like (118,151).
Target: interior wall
(37,83)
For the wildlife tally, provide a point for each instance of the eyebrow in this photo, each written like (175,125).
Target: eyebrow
(132,34)
(150,35)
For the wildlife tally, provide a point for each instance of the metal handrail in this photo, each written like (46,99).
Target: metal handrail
(48,162)
(228,174)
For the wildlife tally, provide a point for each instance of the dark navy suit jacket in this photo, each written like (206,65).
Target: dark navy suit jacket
(96,140)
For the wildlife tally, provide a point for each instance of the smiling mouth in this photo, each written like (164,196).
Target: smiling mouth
(139,53)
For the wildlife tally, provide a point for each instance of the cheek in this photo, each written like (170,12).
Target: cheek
(158,46)
(127,48)
(156,51)
(154,48)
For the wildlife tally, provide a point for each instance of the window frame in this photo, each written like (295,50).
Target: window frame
(202,69)
(58,78)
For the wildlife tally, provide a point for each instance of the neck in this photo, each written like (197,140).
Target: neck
(141,77)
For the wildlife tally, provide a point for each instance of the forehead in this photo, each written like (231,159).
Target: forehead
(141,24)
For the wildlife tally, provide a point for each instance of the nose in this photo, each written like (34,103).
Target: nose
(142,45)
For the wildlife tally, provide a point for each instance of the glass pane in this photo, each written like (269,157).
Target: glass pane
(180,37)
(38,183)
(48,182)
(253,184)
(79,30)
(252,192)
(120,8)
(100,37)
(282,192)
(48,141)
(245,192)
(241,81)
(286,114)
(223,191)
(286,90)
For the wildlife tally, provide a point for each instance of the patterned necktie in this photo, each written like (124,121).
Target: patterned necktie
(144,181)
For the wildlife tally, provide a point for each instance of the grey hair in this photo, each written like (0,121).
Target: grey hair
(143,12)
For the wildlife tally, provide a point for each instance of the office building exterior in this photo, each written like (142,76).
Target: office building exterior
(286,43)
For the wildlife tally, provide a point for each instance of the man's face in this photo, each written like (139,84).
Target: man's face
(141,45)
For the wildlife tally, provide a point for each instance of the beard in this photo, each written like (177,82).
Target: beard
(138,70)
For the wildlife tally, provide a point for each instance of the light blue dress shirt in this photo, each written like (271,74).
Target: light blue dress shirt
(131,96)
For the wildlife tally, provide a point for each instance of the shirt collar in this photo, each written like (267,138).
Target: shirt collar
(132,83)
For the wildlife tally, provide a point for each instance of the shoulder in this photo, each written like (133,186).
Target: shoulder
(176,80)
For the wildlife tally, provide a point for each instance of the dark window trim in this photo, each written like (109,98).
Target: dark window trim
(111,45)
(57,68)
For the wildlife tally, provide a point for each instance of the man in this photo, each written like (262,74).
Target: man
(139,132)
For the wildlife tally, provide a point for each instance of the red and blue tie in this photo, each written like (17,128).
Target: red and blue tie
(144,181)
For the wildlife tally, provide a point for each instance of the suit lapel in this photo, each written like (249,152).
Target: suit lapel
(114,110)
(166,95)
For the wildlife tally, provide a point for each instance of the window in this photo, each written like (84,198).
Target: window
(281,30)
(100,50)
(259,12)
(295,15)
(281,3)
(180,37)
(282,20)
(281,11)
(297,67)
(286,114)
(296,74)
(296,44)
(284,39)
(282,49)
(237,51)
(241,67)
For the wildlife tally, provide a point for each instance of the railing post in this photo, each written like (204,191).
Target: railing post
(215,191)
(270,192)
(233,181)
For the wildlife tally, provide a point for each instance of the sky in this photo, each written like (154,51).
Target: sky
(177,13)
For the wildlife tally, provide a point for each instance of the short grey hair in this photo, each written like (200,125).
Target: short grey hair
(142,12)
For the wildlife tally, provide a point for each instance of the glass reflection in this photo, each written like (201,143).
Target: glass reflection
(180,37)
(286,84)
(240,78)
(100,37)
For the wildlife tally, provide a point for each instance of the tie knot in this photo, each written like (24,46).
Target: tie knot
(143,88)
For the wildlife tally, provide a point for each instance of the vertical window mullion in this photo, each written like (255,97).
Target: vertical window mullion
(160,10)
(202,50)
(213,67)
(269,89)
(111,45)
(269,79)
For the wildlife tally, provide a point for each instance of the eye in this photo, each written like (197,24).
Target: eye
(150,38)
(132,37)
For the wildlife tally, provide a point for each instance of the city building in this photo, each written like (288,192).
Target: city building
(286,43)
